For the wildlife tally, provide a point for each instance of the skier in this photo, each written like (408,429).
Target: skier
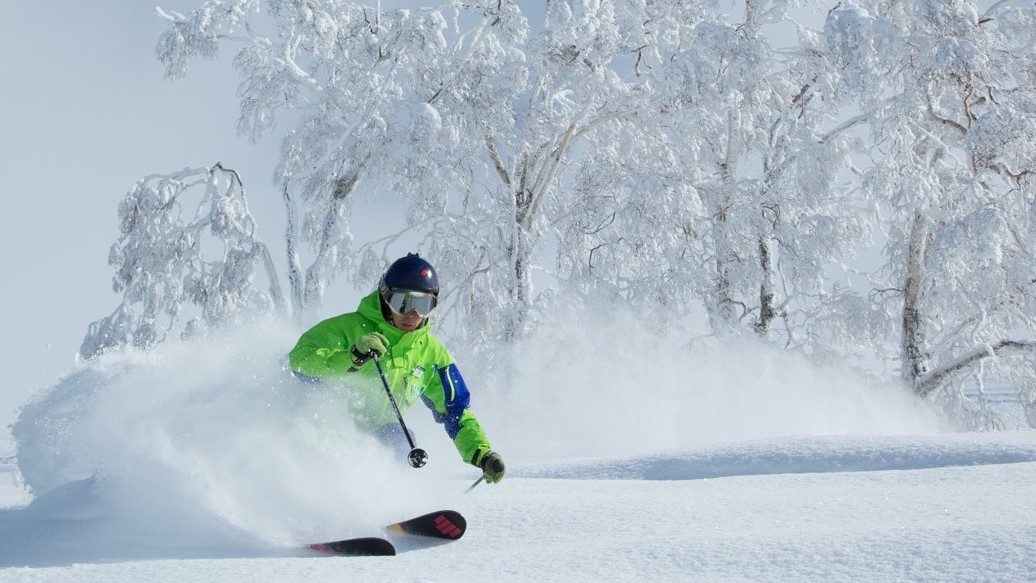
(392,323)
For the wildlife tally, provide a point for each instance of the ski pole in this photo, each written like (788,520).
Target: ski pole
(417,457)
(477,482)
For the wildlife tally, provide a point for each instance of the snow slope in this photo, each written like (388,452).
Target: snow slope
(948,508)
(206,461)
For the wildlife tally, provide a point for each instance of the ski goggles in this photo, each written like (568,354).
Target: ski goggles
(406,301)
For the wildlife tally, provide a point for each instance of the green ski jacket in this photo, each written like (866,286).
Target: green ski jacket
(416,365)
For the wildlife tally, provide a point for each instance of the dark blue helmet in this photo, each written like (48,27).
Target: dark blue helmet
(409,273)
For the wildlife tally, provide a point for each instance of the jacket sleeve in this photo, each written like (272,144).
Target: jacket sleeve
(448,398)
(323,351)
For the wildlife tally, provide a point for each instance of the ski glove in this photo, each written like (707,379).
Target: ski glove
(366,345)
(492,467)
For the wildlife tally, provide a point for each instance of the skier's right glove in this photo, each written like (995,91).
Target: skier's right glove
(492,467)
(366,345)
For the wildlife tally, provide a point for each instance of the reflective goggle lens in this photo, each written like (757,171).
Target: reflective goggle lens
(403,302)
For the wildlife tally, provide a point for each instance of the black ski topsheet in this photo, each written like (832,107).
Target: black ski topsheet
(446,524)
(442,524)
(370,546)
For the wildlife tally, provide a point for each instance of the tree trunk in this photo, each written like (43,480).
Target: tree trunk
(520,258)
(723,312)
(914,357)
(291,247)
(722,308)
(929,383)
(323,268)
(767,312)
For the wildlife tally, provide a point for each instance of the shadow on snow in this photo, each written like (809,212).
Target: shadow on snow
(85,522)
(802,455)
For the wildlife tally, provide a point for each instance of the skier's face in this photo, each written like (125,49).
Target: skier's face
(407,322)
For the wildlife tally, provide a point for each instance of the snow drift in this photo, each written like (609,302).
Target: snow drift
(212,447)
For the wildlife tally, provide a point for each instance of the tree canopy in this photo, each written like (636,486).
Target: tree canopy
(851,178)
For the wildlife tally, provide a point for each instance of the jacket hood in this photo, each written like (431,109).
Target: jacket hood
(370,308)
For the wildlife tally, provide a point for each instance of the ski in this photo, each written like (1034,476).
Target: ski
(442,524)
(446,524)
(370,546)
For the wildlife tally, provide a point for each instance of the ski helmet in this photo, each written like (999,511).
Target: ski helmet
(410,273)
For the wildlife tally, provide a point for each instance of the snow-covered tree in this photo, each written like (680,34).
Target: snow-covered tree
(659,153)
(568,99)
(382,98)
(735,192)
(948,94)
(165,259)
(457,109)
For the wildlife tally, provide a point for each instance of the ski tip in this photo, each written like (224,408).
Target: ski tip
(450,524)
(355,547)
(447,524)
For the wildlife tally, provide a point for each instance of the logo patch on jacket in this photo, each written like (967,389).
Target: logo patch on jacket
(415,388)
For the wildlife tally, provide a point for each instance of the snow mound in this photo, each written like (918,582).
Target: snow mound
(802,455)
(172,451)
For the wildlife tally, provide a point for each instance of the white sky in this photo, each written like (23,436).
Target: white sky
(85,113)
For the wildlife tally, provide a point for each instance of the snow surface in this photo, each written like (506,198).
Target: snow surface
(207,462)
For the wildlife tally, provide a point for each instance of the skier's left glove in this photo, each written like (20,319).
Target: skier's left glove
(492,467)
